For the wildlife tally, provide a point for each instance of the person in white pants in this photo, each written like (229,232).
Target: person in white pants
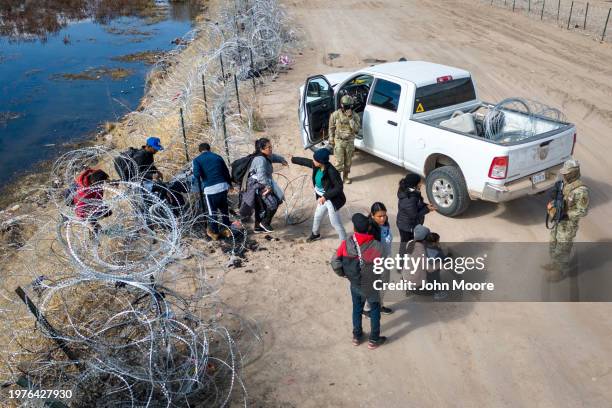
(329,192)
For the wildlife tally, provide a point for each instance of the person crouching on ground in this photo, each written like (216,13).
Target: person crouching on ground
(89,198)
(329,192)
(381,230)
(354,260)
(435,251)
(411,209)
(425,270)
(210,170)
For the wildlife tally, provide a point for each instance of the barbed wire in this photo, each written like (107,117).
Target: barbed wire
(122,297)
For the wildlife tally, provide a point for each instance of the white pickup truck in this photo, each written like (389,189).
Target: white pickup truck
(428,119)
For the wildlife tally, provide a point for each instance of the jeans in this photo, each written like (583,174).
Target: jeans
(358,303)
(334,218)
(217,204)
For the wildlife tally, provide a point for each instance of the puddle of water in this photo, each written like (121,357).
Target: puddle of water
(63,82)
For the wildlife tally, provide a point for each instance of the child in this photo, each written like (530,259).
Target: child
(381,230)
(434,250)
(411,209)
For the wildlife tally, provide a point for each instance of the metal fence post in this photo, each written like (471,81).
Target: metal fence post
(513,5)
(558,9)
(529,7)
(542,13)
(237,94)
(603,35)
(205,100)
(55,335)
(252,70)
(586,13)
(225,133)
(222,67)
(184,136)
(570,16)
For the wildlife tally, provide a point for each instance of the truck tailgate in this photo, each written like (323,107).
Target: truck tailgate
(534,156)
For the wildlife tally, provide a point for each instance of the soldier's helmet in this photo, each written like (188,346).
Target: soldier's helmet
(346,101)
(570,166)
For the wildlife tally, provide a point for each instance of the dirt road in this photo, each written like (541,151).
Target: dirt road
(459,355)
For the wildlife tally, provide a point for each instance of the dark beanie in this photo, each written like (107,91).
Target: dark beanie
(361,223)
(322,156)
(411,180)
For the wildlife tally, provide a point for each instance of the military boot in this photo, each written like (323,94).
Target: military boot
(345,177)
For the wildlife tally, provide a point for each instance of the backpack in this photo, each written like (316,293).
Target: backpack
(240,167)
(125,166)
(351,266)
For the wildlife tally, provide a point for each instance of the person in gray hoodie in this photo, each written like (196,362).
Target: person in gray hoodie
(262,194)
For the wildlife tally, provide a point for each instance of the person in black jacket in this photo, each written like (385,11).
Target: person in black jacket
(411,209)
(329,192)
(145,161)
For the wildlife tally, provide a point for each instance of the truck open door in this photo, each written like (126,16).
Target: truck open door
(316,105)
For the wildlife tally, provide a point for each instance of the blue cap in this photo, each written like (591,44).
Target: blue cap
(155,143)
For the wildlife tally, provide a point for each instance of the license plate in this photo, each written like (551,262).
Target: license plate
(538,178)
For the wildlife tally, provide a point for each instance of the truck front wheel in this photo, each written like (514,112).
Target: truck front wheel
(446,190)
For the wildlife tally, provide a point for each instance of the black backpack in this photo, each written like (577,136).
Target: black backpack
(240,167)
(125,166)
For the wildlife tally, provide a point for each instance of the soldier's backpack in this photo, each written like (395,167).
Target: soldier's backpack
(240,167)
(125,166)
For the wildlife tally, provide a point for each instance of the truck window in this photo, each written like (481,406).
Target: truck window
(386,95)
(444,94)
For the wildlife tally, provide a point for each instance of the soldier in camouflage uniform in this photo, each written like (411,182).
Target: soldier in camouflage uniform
(575,206)
(344,125)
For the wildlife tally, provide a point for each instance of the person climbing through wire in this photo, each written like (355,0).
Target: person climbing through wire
(259,192)
(89,198)
(210,170)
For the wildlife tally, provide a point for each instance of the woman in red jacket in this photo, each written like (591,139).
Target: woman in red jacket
(89,197)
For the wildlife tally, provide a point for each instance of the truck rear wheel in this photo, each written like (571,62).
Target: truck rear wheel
(446,190)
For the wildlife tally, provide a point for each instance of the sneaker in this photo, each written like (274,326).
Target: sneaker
(373,345)
(440,295)
(258,230)
(226,233)
(366,313)
(386,310)
(313,237)
(266,227)
(347,180)
(357,340)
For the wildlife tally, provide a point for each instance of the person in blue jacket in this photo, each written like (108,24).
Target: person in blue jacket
(210,170)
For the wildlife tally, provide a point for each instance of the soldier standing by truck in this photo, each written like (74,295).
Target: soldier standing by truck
(344,126)
(565,211)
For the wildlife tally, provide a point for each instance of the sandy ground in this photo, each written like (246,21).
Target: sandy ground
(469,354)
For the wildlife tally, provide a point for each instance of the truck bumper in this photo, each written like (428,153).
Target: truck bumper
(518,188)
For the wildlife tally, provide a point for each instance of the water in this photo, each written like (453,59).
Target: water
(40,110)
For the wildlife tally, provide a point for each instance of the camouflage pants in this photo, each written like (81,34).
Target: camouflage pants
(343,150)
(561,242)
